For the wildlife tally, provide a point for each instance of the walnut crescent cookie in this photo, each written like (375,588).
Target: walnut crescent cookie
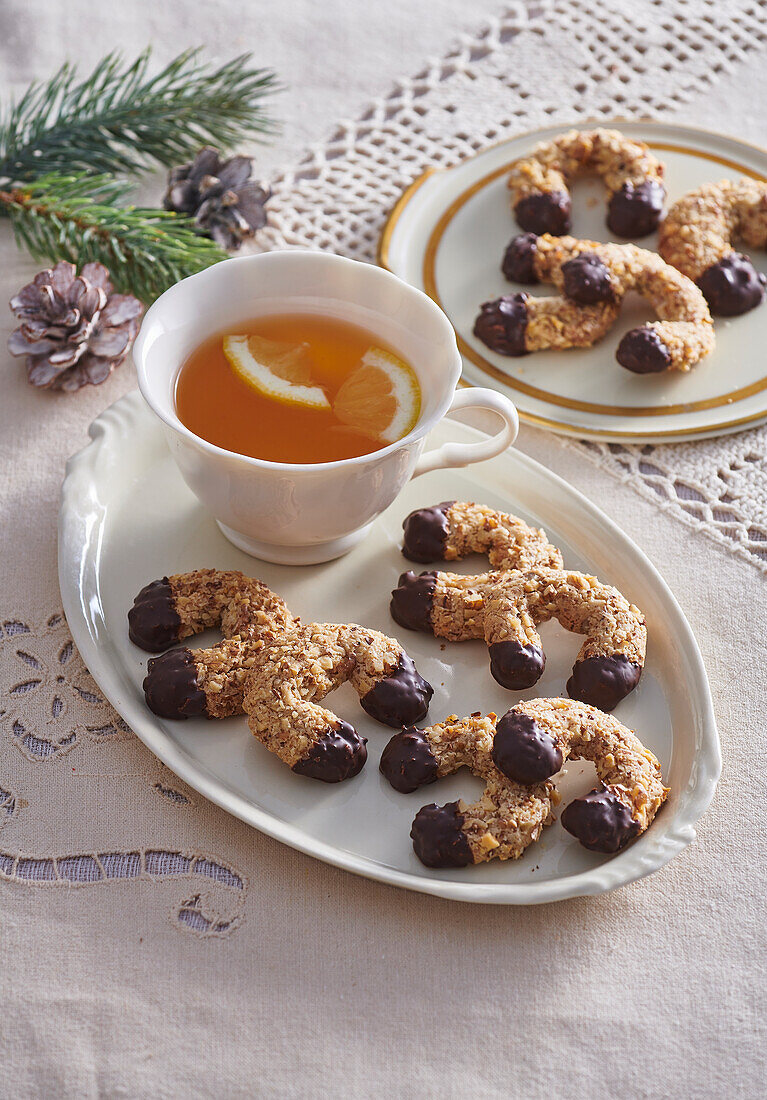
(697,237)
(505,605)
(517,756)
(292,674)
(539,183)
(593,280)
(506,608)
(610,661)
(454,529)
(211,683)
(501,824)
(183,683)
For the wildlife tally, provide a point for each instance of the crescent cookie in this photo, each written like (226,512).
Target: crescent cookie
(539,183)
(183,683)
(290,676)
(517,757)
(593,280)
(697,238)
(261,635)
(505,606)
(454,529)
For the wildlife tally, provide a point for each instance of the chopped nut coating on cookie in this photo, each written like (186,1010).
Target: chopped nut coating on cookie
(505,608)
(292,675)
(527,587)
(206,681)
(281,668)
(459,528)
(593,280)
(539,183)
(631,788)
(517,757)
(505,820)
(698,234)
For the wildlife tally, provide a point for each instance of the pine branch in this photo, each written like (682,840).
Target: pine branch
(77,218)
(119,119)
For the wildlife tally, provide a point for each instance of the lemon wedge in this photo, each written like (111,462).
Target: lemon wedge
(381,397)
(277,370)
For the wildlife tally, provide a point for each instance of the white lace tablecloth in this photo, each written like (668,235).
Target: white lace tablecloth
(152,946)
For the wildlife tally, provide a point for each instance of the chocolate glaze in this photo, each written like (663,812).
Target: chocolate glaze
(153,622)
(171,688)
(603,681)
(411,600)
(732,285)
(587,280)
(600,821)
(519,259)
(401,698)
(635,210)
(338,755)
(523,751)
(516,666)
(545,212)
(502,324)
(426,532)
(437,837)
(642,351)
(408,762)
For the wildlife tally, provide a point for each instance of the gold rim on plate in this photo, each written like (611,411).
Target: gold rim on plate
(430,287)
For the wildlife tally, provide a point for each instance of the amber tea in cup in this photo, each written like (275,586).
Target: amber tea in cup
(302,512)
(298,388)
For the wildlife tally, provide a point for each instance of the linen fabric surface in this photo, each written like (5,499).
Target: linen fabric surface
(153,946)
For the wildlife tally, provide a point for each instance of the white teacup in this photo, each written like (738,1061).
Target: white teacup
(302,514)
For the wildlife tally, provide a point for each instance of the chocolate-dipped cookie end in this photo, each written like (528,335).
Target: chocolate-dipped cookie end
(635,209)
(426,531)
(516,666)
(339,754)
(587,280)
(524,752)
(732,286)
(412,599)
(545,212)
(519,259)
(603,681)
(153,622)
(502,325)
(408,762)
(438,838)
(171,686)
(600,821)
(642,351)
(400,699)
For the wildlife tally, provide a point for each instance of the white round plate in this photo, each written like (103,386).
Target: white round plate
(127,517)
(447,233)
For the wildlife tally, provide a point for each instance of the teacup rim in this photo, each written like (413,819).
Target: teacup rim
(421,428)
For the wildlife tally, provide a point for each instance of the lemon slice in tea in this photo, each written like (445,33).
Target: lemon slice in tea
(277,370)
(381,397)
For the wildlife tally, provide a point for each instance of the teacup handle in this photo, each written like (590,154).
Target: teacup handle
(455,455)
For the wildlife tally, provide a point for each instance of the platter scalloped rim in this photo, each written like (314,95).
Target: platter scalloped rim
(125,435)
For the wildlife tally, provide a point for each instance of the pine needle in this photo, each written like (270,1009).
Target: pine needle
(77,217)
(120,119)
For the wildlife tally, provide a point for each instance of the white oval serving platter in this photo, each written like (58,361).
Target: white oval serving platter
(127,517)
(447,234)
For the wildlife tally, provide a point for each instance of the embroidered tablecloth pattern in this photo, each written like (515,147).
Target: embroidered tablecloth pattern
(154,946)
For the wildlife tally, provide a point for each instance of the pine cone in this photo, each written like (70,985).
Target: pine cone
(74,330)
(225,202)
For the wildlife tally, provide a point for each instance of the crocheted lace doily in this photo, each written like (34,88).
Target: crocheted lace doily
(639,58)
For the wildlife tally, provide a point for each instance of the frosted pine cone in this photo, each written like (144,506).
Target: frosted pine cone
(74,330)
(224,201)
